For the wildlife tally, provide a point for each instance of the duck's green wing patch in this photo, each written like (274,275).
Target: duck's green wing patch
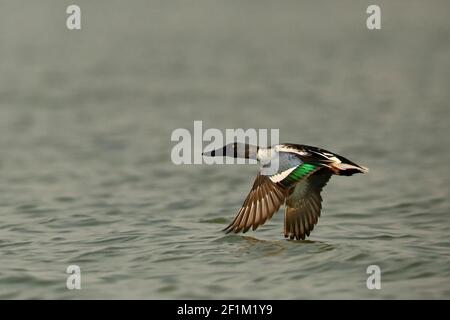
(298,173)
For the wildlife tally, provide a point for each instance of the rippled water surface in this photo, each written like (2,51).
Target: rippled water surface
(85,124)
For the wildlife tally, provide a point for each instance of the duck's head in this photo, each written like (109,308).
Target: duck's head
(234,150)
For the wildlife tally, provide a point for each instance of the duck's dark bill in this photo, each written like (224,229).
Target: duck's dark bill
(221,152)
(213,153)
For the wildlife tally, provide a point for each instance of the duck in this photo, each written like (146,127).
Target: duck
(290,175)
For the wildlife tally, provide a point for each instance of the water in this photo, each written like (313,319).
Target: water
(85,125)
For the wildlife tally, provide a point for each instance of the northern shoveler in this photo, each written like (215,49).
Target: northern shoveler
(290,174)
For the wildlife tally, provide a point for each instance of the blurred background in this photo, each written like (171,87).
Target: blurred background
(86,118)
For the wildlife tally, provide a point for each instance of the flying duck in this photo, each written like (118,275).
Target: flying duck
(292,175)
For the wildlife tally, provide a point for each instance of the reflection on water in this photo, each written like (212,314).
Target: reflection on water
(86,176)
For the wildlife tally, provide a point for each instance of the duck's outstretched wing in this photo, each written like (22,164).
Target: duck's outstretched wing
(264,199)
(303,205)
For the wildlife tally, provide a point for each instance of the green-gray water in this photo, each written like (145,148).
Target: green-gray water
(85,124)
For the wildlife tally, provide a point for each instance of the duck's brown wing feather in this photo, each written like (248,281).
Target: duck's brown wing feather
(264,199)
(303,205)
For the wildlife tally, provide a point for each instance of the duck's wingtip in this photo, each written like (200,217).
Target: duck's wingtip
(346,169)
(364,169)
(227,229)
